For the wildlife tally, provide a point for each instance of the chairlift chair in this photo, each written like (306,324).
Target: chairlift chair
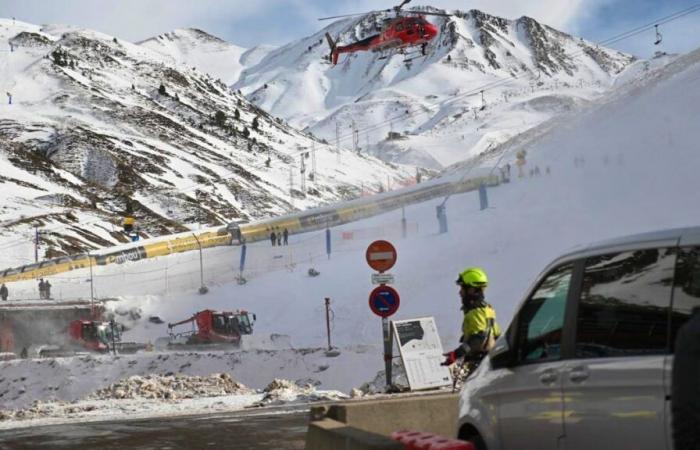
(659,36)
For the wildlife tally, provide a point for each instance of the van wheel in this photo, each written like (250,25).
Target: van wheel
(469,434)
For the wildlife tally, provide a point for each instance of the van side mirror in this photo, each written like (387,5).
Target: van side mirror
(502,355)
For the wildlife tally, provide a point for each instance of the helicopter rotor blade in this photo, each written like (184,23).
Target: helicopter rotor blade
(404,2)
(424,13)
(346,15)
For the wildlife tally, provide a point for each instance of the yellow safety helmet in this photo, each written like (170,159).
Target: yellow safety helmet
(473,276)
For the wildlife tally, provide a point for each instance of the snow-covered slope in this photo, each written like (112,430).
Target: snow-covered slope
(628,165)
(195,48)
(432,105)
(96,122)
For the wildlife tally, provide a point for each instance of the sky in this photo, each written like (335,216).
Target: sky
(249,23)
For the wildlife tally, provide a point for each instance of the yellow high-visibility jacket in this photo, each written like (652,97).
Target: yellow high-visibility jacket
(477,321)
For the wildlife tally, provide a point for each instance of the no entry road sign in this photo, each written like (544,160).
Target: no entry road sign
(381,255)
(384,301)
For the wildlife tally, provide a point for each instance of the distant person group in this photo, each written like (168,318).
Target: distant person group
(44,290)
(280,238)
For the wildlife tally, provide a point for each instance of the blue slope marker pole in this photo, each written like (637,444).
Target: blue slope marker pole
(483,197)
(242,263)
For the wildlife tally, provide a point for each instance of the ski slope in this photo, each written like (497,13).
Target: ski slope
(639,173)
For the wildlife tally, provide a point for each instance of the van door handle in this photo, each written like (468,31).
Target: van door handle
(578,374)
(548,377)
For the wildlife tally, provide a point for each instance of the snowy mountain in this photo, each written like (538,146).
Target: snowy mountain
(430,110)
(627,164)
(195,48)
(96,122)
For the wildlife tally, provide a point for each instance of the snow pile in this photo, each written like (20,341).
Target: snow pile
(47,413)
(143,396)
(378,384)
(40,409)
(281,391)
(171,387)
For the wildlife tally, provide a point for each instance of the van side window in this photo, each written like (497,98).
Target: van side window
(686,293)
(624,304)
(541,319)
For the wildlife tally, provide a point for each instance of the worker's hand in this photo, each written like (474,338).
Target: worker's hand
(450,358)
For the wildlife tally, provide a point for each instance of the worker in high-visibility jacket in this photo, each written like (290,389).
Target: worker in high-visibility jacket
(479,327)
(128,223)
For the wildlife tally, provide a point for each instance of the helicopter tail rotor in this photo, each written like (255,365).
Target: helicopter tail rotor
(334,49)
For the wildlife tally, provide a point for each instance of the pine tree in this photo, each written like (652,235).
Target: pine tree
(220,118)
(59,58)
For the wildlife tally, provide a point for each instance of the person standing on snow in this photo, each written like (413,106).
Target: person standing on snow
(479,327)
(4,293)
(273,238)
(285,236)
(42,294)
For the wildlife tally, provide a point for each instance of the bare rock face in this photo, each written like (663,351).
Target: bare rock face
(29,39)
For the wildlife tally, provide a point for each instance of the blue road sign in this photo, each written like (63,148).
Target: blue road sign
(384,301)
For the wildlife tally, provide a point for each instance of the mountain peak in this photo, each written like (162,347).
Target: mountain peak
(190,35)
(193,47)
(421,96)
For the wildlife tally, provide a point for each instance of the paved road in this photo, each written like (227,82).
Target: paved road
(269,429)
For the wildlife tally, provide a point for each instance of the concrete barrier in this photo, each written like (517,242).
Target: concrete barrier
(328,434)
(368,424)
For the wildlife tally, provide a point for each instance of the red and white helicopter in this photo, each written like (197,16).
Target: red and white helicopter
(407,29)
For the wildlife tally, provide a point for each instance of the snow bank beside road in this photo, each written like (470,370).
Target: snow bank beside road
(154,395)
(23,382)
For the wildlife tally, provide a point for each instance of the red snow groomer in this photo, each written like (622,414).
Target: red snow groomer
(212,329)
(93,336)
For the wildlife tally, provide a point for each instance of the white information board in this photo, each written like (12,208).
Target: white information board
(421,352)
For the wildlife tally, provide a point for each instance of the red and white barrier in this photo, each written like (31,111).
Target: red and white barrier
(415,440)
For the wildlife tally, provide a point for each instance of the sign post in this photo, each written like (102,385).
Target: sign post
(384,301)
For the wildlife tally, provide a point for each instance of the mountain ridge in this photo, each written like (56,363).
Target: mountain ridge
(514,57)
(100,125)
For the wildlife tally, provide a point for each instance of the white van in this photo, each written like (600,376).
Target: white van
(586,362)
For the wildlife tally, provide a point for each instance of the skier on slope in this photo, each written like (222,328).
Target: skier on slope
(479,327)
